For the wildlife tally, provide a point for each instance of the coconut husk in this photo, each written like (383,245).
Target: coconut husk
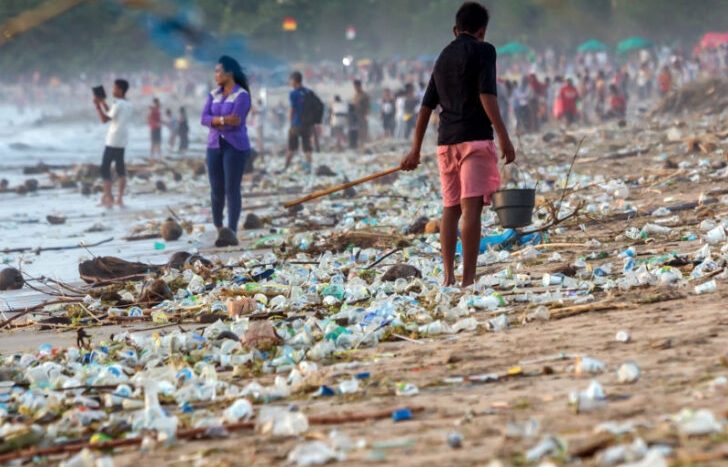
(171,230)
(432,227)
(226,237)
(11,279)
(418,226)
(104,268)
(252,222)
(261,335)
(241,306)
(155,292)
(401,271)
(181,259)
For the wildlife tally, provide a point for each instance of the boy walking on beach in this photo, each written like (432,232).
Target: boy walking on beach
(117,138)
(464,85)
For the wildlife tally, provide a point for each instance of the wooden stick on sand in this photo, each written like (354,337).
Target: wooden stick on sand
(343,186)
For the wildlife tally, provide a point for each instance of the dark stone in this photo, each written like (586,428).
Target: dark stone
(549,136)
(252,222)
(293,210)
(86,189)
(21,190)
(161,186)
(4,184)
(55,220)
(349,192)
(177,176)
(11,279)
(226,237)
(324,170)
(39,168)
(401,271)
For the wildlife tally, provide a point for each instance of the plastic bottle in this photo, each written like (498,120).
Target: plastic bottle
(280,421)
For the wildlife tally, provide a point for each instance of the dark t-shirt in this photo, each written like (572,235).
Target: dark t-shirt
(464,70)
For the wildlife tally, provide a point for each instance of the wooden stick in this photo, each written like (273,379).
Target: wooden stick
(343,186)
(55,248)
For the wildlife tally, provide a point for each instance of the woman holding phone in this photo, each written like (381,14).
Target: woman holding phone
(228,146)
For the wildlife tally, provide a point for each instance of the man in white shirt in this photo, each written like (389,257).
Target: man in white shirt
(116,140)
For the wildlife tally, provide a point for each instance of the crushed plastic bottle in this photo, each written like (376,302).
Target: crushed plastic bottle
(241,409)
(697,423)
(706,287)
(281,421)
(590,399)
(588,366)
(498,324)
(623,337)
(313,453)
(406,389)
(628,373)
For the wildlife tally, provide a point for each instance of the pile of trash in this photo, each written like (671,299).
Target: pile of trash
(234,343)
(708,97)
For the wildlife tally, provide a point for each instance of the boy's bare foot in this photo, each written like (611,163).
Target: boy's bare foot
(106,202)
(120,203)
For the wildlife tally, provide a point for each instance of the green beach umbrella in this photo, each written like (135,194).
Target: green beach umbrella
(592,45)
(512,48)
(632,44)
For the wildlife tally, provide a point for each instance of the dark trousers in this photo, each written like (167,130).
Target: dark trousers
(225,167)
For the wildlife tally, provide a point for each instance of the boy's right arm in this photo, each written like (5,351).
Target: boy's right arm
(412,160)
(429,102)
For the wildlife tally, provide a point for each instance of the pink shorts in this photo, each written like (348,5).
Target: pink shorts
(468,170)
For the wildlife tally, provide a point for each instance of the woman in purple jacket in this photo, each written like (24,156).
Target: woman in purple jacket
(228,147)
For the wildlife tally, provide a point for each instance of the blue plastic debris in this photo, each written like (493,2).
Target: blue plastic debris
(401,415)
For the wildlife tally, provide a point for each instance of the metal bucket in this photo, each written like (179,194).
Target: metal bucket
(514,206)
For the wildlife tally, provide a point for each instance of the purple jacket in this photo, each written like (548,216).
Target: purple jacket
(238,103)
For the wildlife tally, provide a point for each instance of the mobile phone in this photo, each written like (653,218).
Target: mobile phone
(99,92)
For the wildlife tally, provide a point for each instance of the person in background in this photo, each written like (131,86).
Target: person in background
(617,103)
(569,98)
(172,124)
(410,109)
(154,120)
(399,116)
(522,99)
(387,112)
(362,106)
(600,94)
(119,115)
(228,146)
(338,122)
(183,129)
(298,131)
(463,84)
(353,124)
(664,80)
